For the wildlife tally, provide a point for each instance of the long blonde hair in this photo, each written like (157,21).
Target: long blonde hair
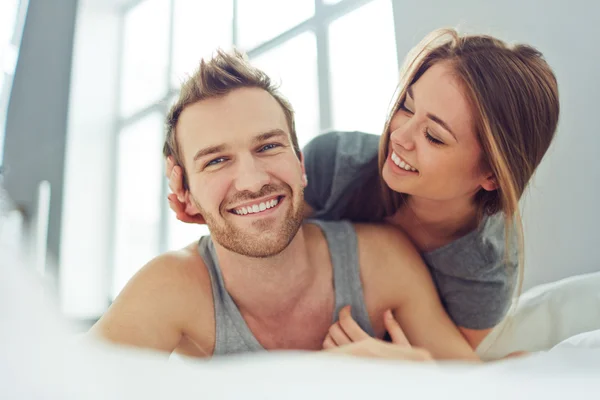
(514,97)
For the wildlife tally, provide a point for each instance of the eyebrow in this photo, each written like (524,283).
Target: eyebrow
(433,117)
(269,135)
(257,139)
(208,151)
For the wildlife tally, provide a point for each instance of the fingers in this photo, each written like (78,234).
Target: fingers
(394,329)
(169,164)
(176,183)
(337,334)
(349,326)
(181,213)
(421,355)
(176,205)
(375,348)
(328,343)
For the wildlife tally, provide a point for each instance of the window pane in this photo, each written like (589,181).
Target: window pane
(194,40)
(261,20)
(182,234)
(8,58)
(294,65)
(331,1)
(138,197)
(145,55)
(364,67)
(8,18)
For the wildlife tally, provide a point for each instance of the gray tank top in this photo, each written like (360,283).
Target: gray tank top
(233,335)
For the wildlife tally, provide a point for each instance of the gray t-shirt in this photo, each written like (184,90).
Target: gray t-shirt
(473,277)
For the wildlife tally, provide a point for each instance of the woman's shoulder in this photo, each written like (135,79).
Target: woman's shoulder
(335,162)
(353,144)
(476,274)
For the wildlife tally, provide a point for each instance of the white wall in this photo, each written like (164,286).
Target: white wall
(87,226)
(560,210)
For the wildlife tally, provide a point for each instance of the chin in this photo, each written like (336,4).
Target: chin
(265,239)
(262,247)
(393,182)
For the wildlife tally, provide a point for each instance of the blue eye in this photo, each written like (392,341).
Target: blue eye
(215,161)
(268,147)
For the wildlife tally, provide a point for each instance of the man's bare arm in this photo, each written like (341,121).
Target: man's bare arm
(154,307)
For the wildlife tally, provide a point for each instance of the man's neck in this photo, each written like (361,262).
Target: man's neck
(269,288)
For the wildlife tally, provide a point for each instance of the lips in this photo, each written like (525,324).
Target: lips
(401,163)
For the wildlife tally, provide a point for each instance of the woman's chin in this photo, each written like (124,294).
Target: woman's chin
(394,182)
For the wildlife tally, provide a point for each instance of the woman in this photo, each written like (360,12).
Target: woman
(472,120)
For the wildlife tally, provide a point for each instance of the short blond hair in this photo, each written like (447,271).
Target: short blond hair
(216,77)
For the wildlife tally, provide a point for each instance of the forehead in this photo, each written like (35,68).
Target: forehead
(440,92)
(229,120)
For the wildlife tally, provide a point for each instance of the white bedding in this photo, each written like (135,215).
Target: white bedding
(586,340)
(546,316)
(37,361)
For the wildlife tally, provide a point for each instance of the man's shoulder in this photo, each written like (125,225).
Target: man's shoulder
(168,297)
(386,249)
(371,236)
(180,271)
(383,235)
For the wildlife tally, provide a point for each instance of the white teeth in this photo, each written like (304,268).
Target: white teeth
(256,207)
(401,163)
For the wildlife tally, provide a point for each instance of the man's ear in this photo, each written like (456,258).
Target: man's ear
(190,206)
(490,183)
(304,177)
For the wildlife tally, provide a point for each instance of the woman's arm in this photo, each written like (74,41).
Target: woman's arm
(474,336)
(395,276)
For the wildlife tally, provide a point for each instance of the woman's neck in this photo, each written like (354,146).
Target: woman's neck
(434,223)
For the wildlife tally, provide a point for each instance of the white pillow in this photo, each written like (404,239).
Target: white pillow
(586,340)
(546,315)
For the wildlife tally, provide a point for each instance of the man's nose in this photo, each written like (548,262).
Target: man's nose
(251,176)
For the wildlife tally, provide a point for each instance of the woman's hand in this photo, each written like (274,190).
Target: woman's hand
(347,337)
(177,198)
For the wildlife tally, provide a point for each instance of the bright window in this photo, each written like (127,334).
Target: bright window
(294,66)
(145,55)
(138,197)
(364,67)
(262,20)
(196,35)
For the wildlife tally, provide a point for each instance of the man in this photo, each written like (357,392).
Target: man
(264,279)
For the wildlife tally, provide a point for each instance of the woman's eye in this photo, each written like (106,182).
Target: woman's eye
(404,108)
(432,139)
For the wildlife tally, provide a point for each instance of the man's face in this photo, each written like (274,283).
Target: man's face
(245,178)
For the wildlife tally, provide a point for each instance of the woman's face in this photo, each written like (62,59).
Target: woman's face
(433,151)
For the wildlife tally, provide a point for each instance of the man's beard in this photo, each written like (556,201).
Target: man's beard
(270,237)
